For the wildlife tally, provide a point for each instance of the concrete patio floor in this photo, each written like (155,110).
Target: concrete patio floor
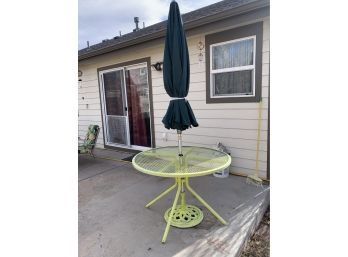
(113,221)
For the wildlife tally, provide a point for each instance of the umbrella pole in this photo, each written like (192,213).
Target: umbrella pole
(183,201)
(179,143)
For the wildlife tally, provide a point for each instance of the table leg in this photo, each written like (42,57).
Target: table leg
(161,195)
(205,203)
(171,213)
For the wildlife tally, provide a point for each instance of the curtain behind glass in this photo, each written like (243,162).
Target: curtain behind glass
(233,54)
(138,107)
(237,82)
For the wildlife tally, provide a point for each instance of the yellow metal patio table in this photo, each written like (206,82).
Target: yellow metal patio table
(194,162)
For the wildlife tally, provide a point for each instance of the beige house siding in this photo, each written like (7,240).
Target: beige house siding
(233,124)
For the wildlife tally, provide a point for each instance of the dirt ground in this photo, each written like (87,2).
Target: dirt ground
(259,244)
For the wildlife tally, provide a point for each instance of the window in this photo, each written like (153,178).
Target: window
(233,68)
(234,65)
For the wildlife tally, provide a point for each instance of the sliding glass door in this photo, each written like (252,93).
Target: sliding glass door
(126,106)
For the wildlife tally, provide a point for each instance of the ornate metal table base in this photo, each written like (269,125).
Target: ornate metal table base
(183,215)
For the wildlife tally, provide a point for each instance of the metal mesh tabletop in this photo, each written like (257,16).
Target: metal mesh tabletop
(196,161)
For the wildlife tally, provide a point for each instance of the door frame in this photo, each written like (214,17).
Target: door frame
(146,60)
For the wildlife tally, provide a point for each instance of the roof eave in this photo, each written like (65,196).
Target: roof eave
(188,25)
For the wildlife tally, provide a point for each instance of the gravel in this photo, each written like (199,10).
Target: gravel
(259,244)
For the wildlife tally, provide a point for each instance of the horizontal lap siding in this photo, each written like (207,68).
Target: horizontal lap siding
(233,124)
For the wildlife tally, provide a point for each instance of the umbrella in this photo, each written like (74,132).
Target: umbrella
(176,76)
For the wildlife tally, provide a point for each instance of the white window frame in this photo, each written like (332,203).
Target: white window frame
(239,68)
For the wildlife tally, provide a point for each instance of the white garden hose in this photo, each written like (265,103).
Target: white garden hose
(255,179)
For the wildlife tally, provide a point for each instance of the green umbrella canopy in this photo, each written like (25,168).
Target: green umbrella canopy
(176,73)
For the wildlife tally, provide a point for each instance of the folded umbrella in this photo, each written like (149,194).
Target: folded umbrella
(176,75)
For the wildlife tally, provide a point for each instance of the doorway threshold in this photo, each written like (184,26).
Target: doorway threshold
(132,149)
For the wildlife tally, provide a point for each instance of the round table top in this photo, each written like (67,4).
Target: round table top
(196,161)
